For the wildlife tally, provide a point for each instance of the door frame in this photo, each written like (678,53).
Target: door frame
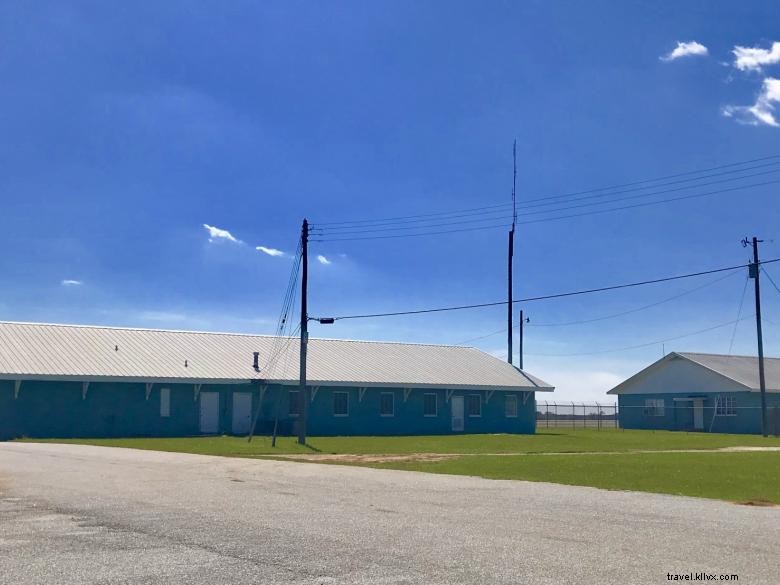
(461,401)
(248,415)
(698,414)
(205,398)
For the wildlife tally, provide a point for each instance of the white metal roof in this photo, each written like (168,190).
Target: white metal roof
(88,353)
(742,369)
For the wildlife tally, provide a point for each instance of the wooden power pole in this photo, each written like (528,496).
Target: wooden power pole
(754,271)
(303,394)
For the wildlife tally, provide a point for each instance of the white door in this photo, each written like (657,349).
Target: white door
(242,412)
(209,412)
(698,415)
(457,413)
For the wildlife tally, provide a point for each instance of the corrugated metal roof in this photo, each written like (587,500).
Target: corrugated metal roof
(742,369)
(36,350)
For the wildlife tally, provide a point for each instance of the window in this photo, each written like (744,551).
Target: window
(386,404)
(654,407)
(340,404)
(474,405)
(510,406)
(295,403)
(726,406)
(165,402)
(430,406)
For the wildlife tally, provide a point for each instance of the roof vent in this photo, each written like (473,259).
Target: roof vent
(256,360)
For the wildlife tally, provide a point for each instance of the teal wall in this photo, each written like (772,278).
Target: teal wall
(113,409)
(679,415)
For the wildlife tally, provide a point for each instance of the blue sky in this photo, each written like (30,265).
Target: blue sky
(127,127)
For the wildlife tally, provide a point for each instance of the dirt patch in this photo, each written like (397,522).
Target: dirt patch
(761,503)
(355,458)
(747,449)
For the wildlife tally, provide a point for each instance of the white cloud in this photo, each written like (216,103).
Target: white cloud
(685,49)
(322,259)
(216,233)
(763,111)
(753,58)
(269,251)
(69,282)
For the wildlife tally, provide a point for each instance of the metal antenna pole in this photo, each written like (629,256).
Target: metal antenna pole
(304,331)
(754,271)
(510,297)
(523,321)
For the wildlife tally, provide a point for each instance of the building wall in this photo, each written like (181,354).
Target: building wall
(678,415)
(112,409)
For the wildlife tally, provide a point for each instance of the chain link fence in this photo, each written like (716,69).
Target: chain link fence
(577,415)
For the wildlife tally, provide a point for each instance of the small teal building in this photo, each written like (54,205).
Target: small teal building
(84,381)
(700,392)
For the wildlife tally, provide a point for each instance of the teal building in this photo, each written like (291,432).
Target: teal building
(701,392)
(85,381)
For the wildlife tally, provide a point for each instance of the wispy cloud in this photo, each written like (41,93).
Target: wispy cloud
(269,251)
(763,111)
(164,316)
(754,58)
(216,233)
(322,259)
(685,49)
(70,282)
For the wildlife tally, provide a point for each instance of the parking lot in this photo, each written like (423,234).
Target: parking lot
(83,514)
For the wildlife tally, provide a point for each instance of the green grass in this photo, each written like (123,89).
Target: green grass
(740,477)
(745,476)
(552,441)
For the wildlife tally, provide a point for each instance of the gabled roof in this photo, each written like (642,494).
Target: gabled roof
(88,353)
(741,369)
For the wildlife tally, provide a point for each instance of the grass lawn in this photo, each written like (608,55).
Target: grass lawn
(739,477)
(612,459)
(552,441)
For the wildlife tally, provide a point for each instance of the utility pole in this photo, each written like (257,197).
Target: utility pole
(304,331)
(511,254)
(754,270)
(523,321)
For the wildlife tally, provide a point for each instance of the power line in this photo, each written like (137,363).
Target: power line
(548,219)
(551,296)
(389,225)
(739,314)
(503,213)
(560,196)
(640,345)
(606,317)
(770,280)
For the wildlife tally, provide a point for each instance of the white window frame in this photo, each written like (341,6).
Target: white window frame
(508,399)
(726,406)
(294,397)
(392,404)
(435,404)
(165,402)
(655,407)
(468,405)
(334,403)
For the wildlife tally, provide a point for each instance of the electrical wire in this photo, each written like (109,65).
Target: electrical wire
(641,345)
(605,317)
(560,196)
(770,279)
(400,225)
(550,296)
(553,218)
(739,315)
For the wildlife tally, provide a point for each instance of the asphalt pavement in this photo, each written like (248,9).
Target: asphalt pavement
(87,515)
